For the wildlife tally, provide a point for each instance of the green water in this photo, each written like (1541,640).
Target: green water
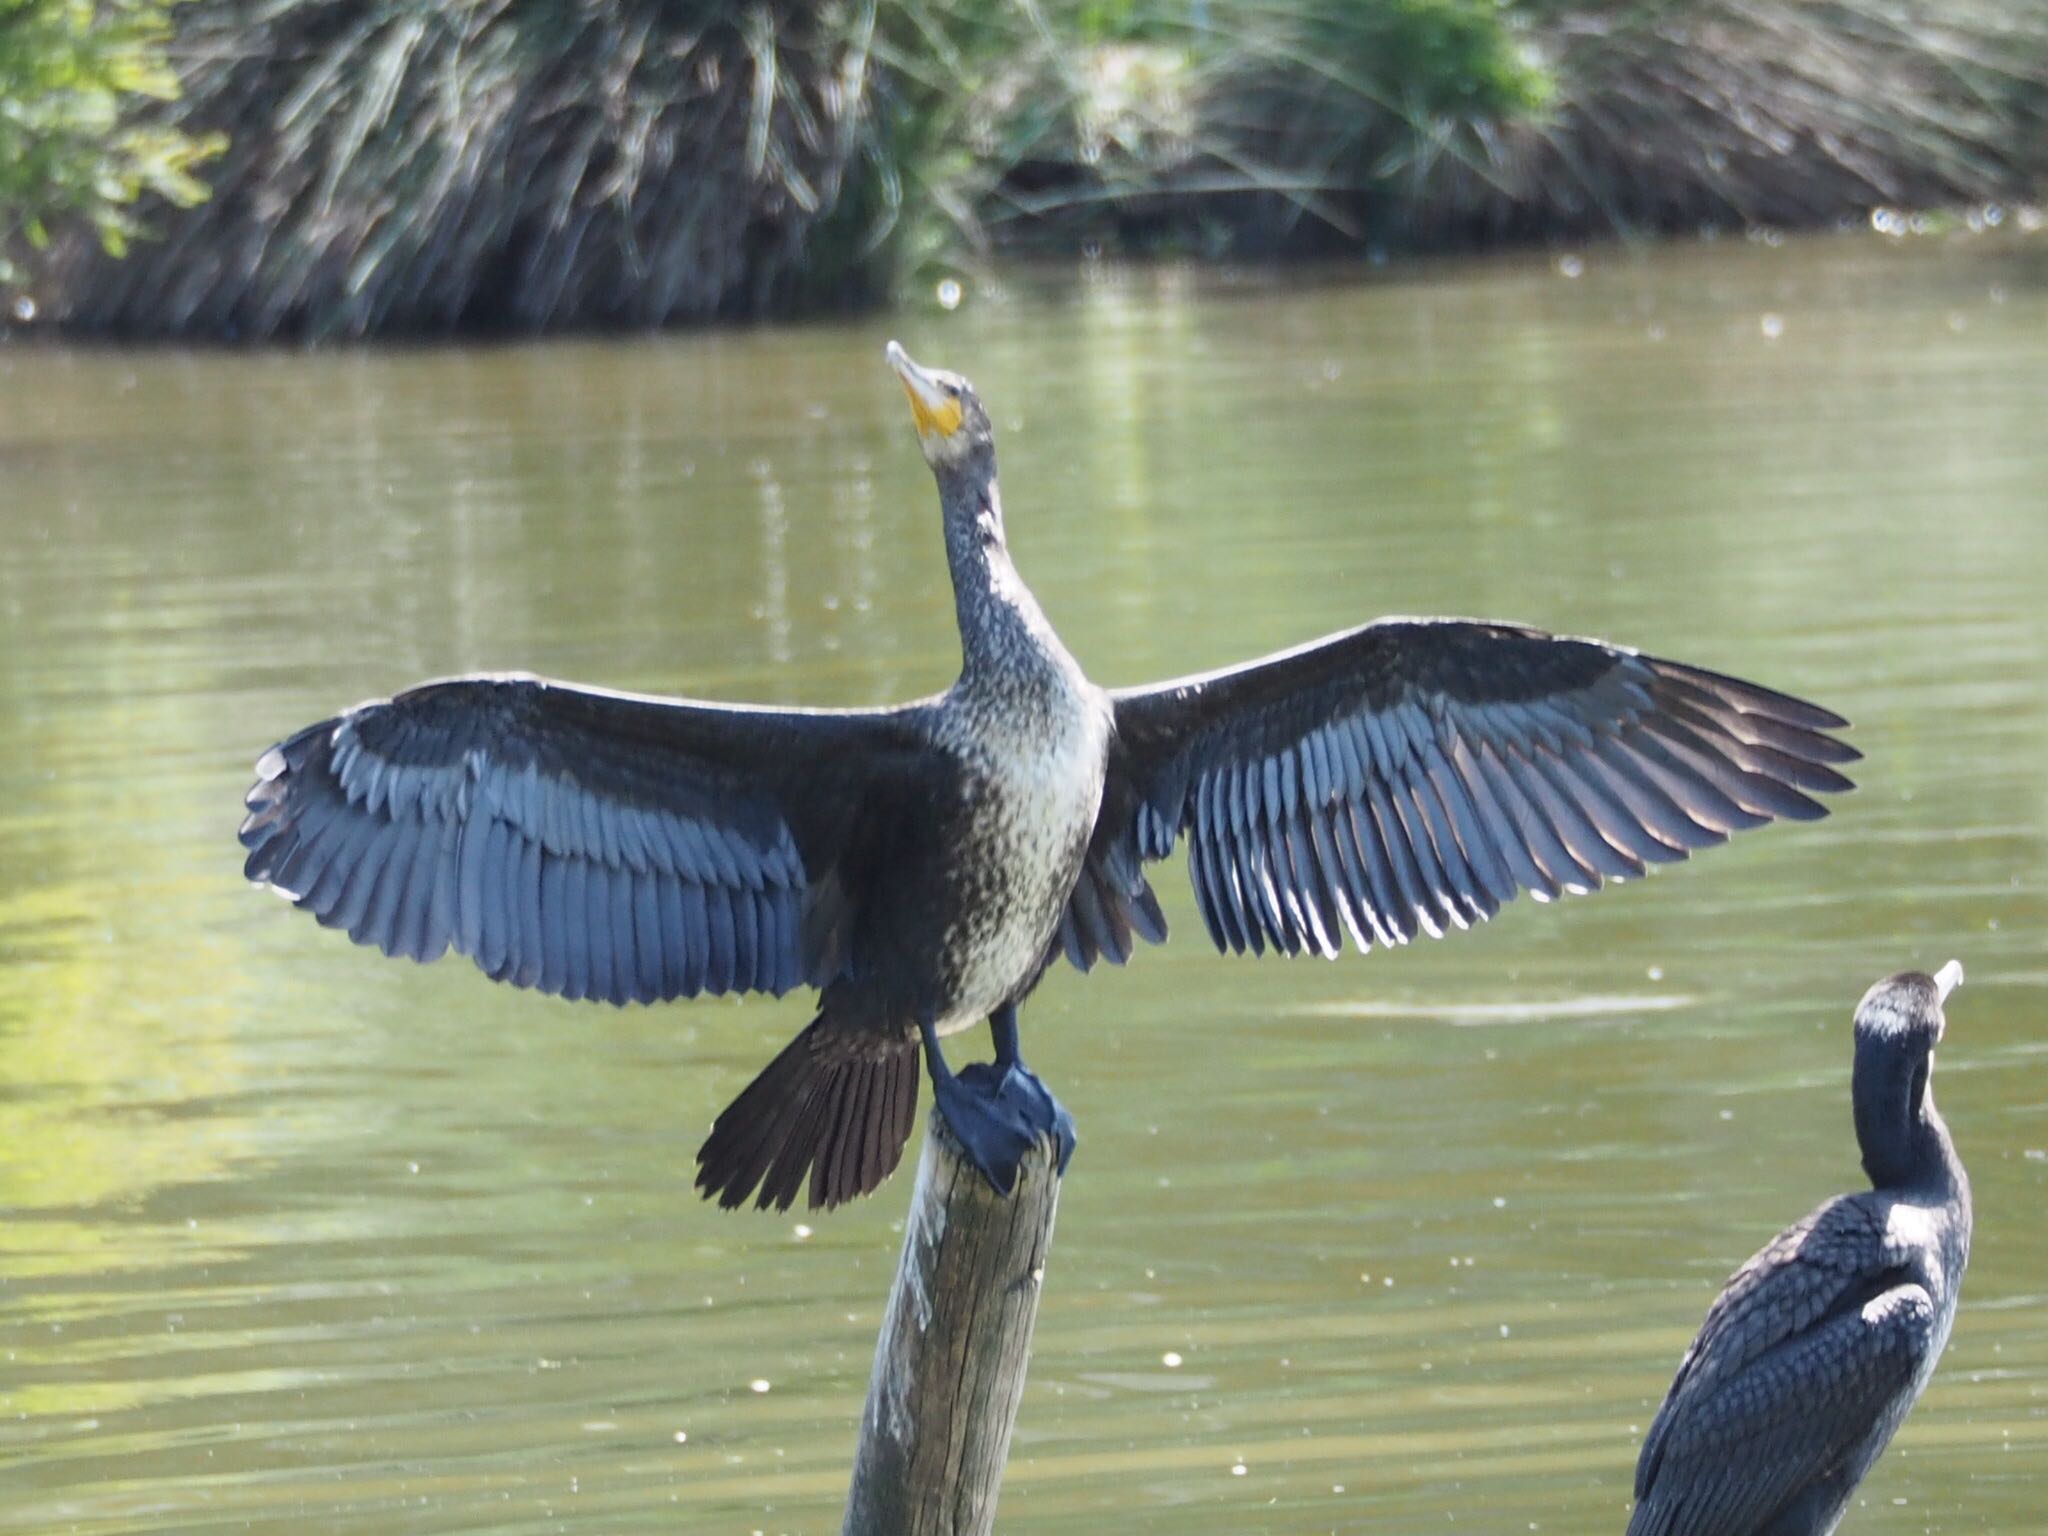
(295,1238)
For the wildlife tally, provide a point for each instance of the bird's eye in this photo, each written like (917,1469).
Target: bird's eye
(952,391)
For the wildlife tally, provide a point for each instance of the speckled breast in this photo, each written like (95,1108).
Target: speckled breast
(1033,783)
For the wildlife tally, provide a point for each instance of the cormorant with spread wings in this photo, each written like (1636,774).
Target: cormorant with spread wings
(922,865)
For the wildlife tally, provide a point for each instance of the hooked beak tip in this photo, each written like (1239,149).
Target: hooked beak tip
(898,358)
(1948,978)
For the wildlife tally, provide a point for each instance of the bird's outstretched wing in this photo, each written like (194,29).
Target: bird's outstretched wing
(1413,775)
(591,844)
(1802,1356)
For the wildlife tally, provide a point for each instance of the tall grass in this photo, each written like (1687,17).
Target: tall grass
(398,166)
(1291,123)
(1675,113)
(395,166)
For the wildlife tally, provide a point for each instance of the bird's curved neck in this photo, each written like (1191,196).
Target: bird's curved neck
(1003,631)
(1904,1141)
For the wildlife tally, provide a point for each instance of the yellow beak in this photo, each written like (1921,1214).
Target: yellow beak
(937,413)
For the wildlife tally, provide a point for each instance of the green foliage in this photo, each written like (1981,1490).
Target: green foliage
(71,72)
(1183,122)
(1434,57)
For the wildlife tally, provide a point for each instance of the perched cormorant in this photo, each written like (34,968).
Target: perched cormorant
(1821,1344)
(922,865)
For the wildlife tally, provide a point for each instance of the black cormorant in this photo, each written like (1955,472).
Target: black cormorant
(922,865)
(1820,1345)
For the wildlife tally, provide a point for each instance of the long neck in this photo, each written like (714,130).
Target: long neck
(1003,631)
(1904,1140)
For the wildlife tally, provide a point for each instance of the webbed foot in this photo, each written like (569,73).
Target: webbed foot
(998,1112)
(1034,1102)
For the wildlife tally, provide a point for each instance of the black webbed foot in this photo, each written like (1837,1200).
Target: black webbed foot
(1034,1102)
(998,1112)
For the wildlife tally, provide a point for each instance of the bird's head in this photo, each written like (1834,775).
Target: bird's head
(1903,1012)
(952,427)
(1898,1025)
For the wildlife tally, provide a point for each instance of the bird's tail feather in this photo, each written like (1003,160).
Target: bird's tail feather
(834,1106)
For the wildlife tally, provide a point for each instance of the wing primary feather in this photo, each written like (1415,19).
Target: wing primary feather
(745,940)
(1588,838)
(1218,861)
(697,937)
(291,869)
(1760,780)
(1313,907)
(380,924)
(1571,846)
(718,971)
(440,919)
(469,890)
(344,851)
(497,889)
(579,975)
(530,950)
(1337,832)
(1397,925)
(1347,881)
(1650,801)
(1464,895)
(1698,782)
(616,913)
(1265,856)
(771,958)
(1749,697)
(675,941)
(1615,806)
(554,963)
(1283,880)
(1504,817)
(360,883)
(1249,881)
(1208,901)
(1717,717)
(1417,903)
(1481,856)
(647,935)
(1431,883)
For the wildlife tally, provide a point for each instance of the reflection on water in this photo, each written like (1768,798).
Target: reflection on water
(295,1238)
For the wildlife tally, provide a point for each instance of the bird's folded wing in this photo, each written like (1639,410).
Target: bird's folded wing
(591,844)
(1412,776)
(1727,1454)
(1830,1261)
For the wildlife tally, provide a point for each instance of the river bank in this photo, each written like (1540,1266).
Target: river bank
(508,167)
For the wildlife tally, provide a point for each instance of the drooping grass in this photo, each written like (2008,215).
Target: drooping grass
(400,167)
(1247,122)
(1285,123)
(1670,114)
(492,165)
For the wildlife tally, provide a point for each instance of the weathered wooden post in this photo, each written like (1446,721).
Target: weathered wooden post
(955,1341)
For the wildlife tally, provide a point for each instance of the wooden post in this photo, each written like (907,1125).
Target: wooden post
(949,1365)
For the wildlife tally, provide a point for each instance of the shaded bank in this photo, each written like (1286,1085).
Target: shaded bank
(522,165)
(500,166)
